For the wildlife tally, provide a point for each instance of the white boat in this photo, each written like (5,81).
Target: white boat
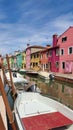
(17,78)
(36,112)
(46,75)
(22,70)
(33,72)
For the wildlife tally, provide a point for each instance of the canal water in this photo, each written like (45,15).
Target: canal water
(61,91)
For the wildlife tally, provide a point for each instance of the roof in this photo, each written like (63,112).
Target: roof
(65,31)
(46,49)
(35,46)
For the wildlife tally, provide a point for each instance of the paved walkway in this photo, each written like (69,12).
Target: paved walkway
(46,74)
(70,76)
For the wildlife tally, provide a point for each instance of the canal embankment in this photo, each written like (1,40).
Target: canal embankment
(64,77)
(57,76)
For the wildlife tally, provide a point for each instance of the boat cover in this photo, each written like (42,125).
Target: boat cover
(46,121)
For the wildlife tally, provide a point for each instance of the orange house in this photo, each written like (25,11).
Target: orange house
(44,59)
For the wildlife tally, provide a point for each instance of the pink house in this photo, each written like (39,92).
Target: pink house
(28,53)
(65,42)
(61,54)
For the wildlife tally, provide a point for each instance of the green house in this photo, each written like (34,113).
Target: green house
(19,60)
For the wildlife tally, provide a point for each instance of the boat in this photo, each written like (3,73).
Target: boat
(34,111)
(22,71)
(46,75)
(51,76)
(17,78)
(32,72)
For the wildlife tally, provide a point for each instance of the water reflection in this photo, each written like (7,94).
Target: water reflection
(60,91)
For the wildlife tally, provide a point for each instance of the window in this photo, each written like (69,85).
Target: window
(57,64)
(36,64)
(31,56)
(46,66)
(62,51)
(50,53)
(57,52)
(63,65)
(47,54)
(70,50)
(41,56)
(34,55)
(64,39)
(37,55)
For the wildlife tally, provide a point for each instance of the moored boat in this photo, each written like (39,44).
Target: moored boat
(32,72)
(17,78)
(36,112)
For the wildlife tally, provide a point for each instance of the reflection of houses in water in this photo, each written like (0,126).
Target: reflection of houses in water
(61,91)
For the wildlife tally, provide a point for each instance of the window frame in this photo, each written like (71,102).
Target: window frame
(64,39)
(62,52)
(63,65)
(69,51)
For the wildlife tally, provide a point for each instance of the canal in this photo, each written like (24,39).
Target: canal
(61,91)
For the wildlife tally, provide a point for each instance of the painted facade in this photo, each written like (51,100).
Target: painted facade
(65,41)
(35,61)
(19,60)
(44,60)
(29,51)
(53,56)
(24,59)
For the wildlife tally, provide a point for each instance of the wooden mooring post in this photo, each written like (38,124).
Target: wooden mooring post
(2,126)
(12,84)
(8,109)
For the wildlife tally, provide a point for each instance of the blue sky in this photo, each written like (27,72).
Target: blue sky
(32,21)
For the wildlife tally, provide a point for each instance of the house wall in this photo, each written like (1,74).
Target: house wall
(35,61)
(19,60)
(53,59)
(23,59)
(28,53)
(44,60)
(67,58)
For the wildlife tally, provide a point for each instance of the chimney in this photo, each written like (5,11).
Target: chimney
(28,44)
(55,39)
(48,45)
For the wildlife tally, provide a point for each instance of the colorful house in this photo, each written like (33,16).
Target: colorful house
(19,59)
(29,51)
(35,60)
(65,42)
(24,59)
(61,54)
(44,59)
(53,56)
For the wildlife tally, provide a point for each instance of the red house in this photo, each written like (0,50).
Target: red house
(53,57)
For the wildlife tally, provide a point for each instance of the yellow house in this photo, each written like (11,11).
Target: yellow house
(35,61)
(24,59)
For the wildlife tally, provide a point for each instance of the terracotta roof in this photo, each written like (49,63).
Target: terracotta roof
(35,46)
